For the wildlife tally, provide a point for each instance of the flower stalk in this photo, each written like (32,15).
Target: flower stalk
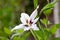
(33,34)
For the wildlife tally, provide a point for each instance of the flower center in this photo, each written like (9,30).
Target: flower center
(28,23)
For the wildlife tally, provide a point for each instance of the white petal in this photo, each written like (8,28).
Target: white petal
(26,28)
(21,26)
(34,27)
(24,17)
(35,20)
(34,13)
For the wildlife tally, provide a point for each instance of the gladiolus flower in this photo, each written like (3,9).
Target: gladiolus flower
(28,22)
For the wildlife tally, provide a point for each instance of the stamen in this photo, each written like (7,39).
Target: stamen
(26,25)
(26,21)
(31,22)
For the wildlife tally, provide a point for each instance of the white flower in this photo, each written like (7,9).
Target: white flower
(28,22)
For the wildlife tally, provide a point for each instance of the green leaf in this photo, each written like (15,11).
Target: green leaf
(40,34)
(48,7)
(2,33)
(45,22)
(17,38)
(8,31)
(20,31)
(23,37)
(48,12)
(54,28)
(56,38)
(47,33)
(3,38)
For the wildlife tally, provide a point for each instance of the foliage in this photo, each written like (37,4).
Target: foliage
(10,16)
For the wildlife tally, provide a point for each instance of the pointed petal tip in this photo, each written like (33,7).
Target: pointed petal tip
(38,6)
(35,20)
(36,29)
(38,18)
(12,30)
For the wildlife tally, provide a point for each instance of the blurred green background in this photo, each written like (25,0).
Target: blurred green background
(10,11)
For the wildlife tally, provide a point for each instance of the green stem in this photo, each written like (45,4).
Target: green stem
(47,21)
(33,34)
